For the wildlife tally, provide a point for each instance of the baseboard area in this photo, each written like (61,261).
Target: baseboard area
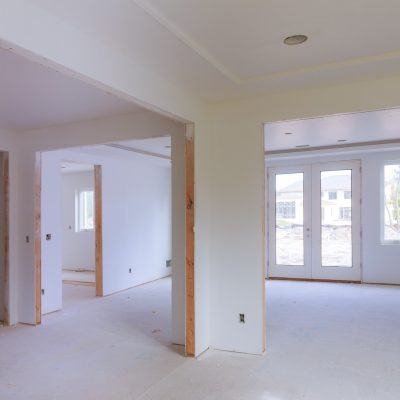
(311,280)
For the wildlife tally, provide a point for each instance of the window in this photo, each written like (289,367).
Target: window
(332,195)
(84,210)
(347,194)
(286,209)
(345,212)
(391,231)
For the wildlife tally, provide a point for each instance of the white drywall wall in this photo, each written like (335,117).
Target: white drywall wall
(51,225)
(78,247)
(379,261)
(136,221)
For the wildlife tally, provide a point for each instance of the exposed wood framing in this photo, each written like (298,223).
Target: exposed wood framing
(38,239)
(98,229)
(190,236)
(264,247)
(6,222)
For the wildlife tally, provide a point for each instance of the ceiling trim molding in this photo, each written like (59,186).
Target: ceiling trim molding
(139,151)
(186,39)
(238,80)
(325,67)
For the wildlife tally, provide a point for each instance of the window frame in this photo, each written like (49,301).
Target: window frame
(78,210)
(383,204)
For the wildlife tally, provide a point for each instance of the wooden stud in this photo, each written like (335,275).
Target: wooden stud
(98,229)
(263,211)
(190,237)
(6,222)
(38,238)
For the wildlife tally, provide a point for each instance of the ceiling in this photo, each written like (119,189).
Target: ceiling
(68,167)
(34,96)
(373,126)
(152,150)
(231,48)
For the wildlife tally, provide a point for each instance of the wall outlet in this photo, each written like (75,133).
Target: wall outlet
(168,263)
(241,318)
(48,236)
(130,270)
(42,291)
(27,239)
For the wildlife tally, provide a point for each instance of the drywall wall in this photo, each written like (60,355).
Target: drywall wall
(51,225)
(379,261)
(136,220)
(78,247)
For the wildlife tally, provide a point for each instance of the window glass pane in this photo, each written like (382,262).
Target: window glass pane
(86,210)
(392,202)
(289,219)
(336,226)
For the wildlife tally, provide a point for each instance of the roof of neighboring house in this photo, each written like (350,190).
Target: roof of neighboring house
(331,183)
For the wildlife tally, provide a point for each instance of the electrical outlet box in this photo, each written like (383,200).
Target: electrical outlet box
(168,263)
(241,318)
(42,291)
(27,239)
(48,236)
(130,270)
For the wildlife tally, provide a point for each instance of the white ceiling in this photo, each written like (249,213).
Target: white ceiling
(33,96)
(157,145)
(68,167)
(151,149)
(230,48)
(374,126)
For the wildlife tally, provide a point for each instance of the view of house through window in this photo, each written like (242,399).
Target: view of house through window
(289,223)
(336,235)
(85,210)
(392,202)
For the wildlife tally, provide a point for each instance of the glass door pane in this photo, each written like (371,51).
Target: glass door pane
(289,219)
(336,220)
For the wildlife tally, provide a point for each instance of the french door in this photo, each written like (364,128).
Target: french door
(314,221)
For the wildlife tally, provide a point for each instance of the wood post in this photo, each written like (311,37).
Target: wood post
(190,236)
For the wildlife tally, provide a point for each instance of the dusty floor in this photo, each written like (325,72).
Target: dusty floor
(325,341)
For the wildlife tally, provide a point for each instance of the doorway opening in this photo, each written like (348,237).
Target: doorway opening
(78,220)
(314,221)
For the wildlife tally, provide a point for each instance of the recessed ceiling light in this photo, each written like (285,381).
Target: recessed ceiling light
(303,145)
(288,133)
(295,39)
(342,140)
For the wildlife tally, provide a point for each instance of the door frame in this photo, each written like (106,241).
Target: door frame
(289,271)
(326,274)
(38,234)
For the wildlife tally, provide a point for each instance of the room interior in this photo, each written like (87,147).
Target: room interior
(283,124)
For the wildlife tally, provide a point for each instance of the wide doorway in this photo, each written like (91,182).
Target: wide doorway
(314,221)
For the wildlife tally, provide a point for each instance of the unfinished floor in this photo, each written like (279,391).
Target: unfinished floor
(325,341)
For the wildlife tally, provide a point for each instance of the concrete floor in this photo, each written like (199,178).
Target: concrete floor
(78,276)
(325,341)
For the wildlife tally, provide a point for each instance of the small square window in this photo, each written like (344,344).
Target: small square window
(84,210)
(332,195)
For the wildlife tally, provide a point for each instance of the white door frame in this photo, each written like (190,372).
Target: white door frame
(312,268)
(289,271)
